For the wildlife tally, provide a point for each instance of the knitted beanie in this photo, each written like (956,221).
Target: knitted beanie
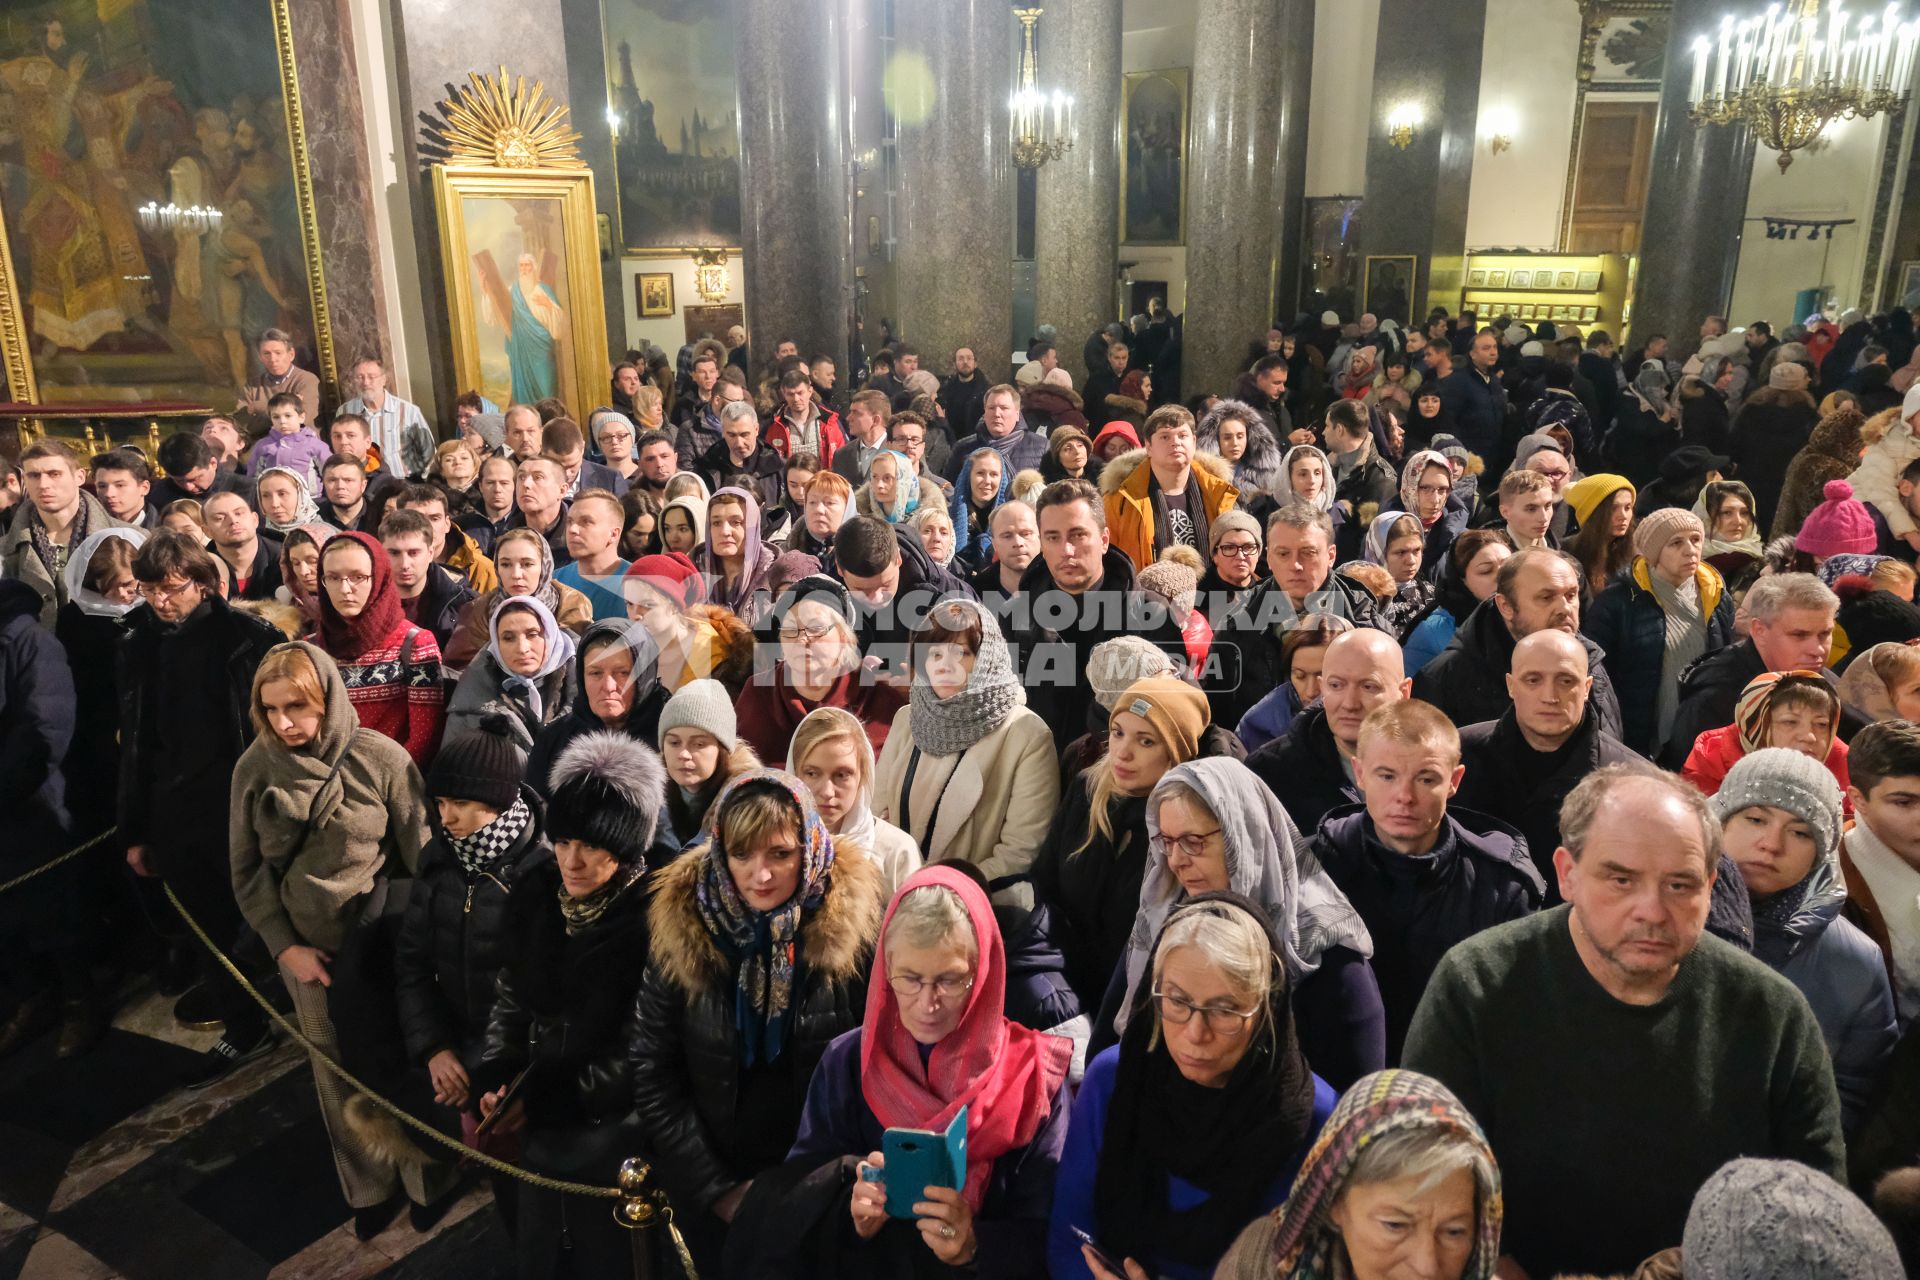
(1176,710)
(1838,525)
(1787,376)
(1778,1219)
(790,567)
(1785,779)
(673,576)
(1533,347)
(1661,526)
(1586,494)
(1170,581)
(490,427)
(607,790)
(482,765)
(1330,319)
(1227,521)
(1515,335)
(702,705)
(820,589)
(1116,665)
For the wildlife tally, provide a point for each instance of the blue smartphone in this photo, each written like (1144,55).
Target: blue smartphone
(920,1158)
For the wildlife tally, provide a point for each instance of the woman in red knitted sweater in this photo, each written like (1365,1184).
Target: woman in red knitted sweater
(391,667)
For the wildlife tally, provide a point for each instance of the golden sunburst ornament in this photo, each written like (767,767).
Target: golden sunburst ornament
(497,120)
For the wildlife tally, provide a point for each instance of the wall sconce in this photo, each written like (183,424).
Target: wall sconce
(1401,123)
(1499,126)
(710,278)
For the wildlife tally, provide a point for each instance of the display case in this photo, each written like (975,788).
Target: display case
(1591,290)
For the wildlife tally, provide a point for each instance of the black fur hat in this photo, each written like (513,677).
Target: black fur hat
(607,791)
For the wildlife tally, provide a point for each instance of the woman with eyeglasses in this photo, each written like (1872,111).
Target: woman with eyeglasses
(391,667)
(1196,1122)
(761,937)
(935,1040)
(819,666)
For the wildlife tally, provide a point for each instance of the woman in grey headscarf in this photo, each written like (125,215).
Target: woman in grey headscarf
(1212,826)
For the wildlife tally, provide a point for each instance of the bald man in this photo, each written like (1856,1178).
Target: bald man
(1522,765)
(1308,767)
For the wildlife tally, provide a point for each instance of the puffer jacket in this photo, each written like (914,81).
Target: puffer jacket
(1246,658)
(1629,625)
(454,940)
(686,1054)
(481,692)
(1468,680)
(36,725)
(1126,489)
(1302,769)
(1840,971)
(1092,893)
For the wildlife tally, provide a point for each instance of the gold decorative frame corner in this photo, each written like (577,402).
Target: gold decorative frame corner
(22,386)
(324,353)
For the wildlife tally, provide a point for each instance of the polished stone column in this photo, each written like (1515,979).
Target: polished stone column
(1427,56)
(1077,212)
(1696,200)
(793,175)
(1295,68)
(1233,182)
(586,48)
(953,72)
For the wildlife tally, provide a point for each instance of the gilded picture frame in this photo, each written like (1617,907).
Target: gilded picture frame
(23,379)
(653,291)
(1153,156)
(544,219)
(1390,283)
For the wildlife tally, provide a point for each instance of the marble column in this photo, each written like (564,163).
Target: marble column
(1290,176)
(1077,211)
(1426,57)
(793,176)
(336,136)
(586,46)
(1696,200)
(952,74)
(1233,182)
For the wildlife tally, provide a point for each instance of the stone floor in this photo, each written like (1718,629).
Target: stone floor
(109,1172)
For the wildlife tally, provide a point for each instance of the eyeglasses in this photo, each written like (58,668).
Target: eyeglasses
(1239,550)
(163,591)
(813,633)
(1435,490)
(1190,846)
(350,581)
(1178,1011)
(1553,475)
(948,986)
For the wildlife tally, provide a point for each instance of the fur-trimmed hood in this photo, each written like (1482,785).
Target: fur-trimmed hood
(836,940)
(733,659)
(1121,468)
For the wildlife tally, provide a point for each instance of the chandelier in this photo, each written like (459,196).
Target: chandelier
(1042,122)
(1789,73)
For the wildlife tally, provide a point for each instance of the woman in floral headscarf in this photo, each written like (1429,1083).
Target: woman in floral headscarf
(761,938)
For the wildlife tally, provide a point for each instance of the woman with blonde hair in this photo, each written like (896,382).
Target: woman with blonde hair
(831,754)
(456,465)
(1884,682)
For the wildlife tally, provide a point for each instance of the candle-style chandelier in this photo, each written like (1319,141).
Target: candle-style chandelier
(1788,73)
(1042,122)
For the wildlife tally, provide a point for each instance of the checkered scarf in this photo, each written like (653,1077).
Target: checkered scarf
(478,850)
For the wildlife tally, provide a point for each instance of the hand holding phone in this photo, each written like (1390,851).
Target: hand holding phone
(1095,1254)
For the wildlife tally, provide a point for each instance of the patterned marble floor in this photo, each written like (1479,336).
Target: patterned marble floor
(108,1172)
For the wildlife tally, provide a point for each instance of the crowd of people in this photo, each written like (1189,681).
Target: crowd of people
(1399,817)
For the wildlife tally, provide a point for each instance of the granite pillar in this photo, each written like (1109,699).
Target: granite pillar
(586,40)
(334,128)
(1696,199)
(794,198)
(952,75)
(1426,57)
(1290,175)
(1233,168)
(1077,211)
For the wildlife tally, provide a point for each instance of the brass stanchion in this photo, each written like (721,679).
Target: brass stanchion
(642,1208)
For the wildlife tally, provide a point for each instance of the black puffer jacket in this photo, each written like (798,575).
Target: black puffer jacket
(562,1007)
(1302,769)
(1468,681)
(700,1131)
(93,761)
(1092,894)
(454,941)
(1245,662)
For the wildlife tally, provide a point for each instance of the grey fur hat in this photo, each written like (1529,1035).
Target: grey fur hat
(607,791)
(1779,1220)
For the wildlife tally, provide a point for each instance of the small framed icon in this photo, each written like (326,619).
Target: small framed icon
(1520,280)
(1589,313)
(1589,281)
(1496,279)
(1564,280)
(1477,279)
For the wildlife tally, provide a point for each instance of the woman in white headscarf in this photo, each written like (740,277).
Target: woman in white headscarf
(831,753)
(1212,826)
(101,591)
(285,501)
(525,673)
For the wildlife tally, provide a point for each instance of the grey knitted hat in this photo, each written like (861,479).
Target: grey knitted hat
(1116,664)
(1779,1220)
(702,705)
(491,427)
(1790,780)
(1227,521)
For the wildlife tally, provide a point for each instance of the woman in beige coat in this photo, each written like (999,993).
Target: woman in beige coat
(321,807)
(968,771)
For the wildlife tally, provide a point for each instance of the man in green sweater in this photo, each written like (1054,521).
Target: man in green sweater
(1616,1056)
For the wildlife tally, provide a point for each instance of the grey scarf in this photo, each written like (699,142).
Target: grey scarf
(1686,641)
(948,726)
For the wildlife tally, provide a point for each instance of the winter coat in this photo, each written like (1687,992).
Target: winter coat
(764,466)
(1704,419)
(1258,470)
(93,760)
(1771,427)
(643,718)
(440,603)
(1269,718)
(1630,627)
(1877,479)
(19,560)
(1038,993)
(769,709)
(1841,972)
(1126,490)
(1558,407)
(780,435)
(1302,768)
(1710,690)
(1051,651)
(885,632)
(989,805)
(185,698)
(37,709)
(688,1080)
(1716,751)
(1478,407)
(1092,892)
(481,692)
(1478,875)
(1370,488)
(454,940)
(1246,658)
(1046,406)
(1468,681)
(302,452)
(1832,452)
(470,637)
(1498,763)
(1027,450)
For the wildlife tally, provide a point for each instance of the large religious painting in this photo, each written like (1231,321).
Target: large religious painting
(522,265)
(1153,163)
(671,88)
(156,213)
(1390,285)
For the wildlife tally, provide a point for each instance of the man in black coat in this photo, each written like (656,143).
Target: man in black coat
(893,582)
(193,472)
(963,395)
(741,452)
(1537,590)
(1306,767)
(186,685)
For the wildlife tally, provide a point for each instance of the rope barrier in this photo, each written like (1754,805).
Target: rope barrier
(43,868)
